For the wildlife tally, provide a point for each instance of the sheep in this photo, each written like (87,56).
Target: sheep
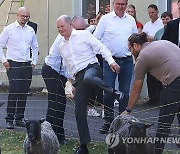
(120,130)
(138,130)
(40,138)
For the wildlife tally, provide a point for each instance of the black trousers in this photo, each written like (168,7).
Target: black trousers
(96,95)
(55,84)
(19,76)
(89,77)
(154,88)
(170,101)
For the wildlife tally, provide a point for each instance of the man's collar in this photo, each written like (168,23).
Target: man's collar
(156,20)
(74,32)
(114,14)
(18,25)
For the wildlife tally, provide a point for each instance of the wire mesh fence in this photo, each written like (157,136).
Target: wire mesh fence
(36,108)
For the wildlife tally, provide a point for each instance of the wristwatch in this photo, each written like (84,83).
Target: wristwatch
(128,109)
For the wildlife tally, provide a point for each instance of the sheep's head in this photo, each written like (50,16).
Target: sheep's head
(34,129)
(138,129)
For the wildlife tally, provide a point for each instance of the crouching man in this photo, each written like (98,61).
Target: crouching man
(162,60)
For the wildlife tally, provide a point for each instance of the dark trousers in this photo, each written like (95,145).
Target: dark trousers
(89,77)
(19,76)
(55,84)
(96,95)
(154,89)
(170,98)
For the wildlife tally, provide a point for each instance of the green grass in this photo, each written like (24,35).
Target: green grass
(11,142)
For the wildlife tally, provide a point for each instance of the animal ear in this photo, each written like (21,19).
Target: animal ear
(147,125)
(42,120)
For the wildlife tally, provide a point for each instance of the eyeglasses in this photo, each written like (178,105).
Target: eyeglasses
(129,48)
(92,20)
(23,16)
(121,4)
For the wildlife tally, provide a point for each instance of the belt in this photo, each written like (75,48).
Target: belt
(83,70)
(122,57)
(21,63)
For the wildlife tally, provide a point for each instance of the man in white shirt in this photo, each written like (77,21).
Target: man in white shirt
(155,24)
(77,50)
(114,30)
(18,37)
(150,28)
(55,76)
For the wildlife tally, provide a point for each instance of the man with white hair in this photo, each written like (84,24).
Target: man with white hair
(77,50)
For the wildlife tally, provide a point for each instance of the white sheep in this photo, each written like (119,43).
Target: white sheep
(40,138)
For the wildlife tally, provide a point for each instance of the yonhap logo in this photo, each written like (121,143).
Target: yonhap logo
(140,140)
(112,140)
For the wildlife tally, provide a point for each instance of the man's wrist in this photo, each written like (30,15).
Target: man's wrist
(128,109)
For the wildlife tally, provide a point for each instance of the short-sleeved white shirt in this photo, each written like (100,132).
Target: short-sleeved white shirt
(150,28)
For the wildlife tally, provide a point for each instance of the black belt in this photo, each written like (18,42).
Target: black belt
(20,63)
(122,57)
(83,70)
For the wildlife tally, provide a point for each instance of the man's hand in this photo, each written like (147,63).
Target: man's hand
(115,67)
(6,65)
(124,113)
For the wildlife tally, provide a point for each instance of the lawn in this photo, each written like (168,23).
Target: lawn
(11,142)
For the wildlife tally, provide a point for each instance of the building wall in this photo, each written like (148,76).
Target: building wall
(47,30)
(39,14)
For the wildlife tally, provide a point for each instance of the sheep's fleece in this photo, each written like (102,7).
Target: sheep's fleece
(48,144)
(119,129)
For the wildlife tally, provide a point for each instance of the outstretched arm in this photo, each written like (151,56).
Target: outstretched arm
(134,95)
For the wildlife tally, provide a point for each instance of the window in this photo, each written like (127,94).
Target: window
(89,7)
(104,6)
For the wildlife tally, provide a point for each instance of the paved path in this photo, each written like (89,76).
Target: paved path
(37,106)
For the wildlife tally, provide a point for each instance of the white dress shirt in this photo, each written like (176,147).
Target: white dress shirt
(150,28)
(18,41)
(91,28)
(114,32)
(78,51)
(54,59)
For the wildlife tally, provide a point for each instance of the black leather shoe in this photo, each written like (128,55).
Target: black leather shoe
(9,125)
(63,142)
(20,123)
(105,128)
(81,151)
(118,95)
